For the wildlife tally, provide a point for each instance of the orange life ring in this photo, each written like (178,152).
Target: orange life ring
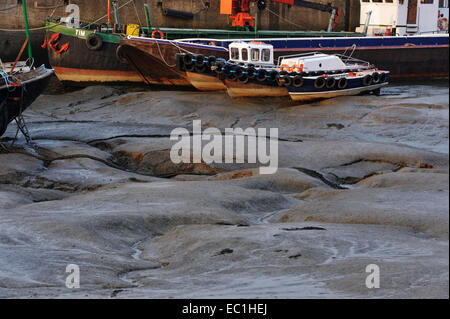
(443,27)
(161,35)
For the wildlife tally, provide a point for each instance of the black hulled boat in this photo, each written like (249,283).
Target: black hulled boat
(18,90)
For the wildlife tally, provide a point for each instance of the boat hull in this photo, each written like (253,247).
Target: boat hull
(311,96)
(252,89)
(15,100)
(404,57)
(155,61)
(81,66)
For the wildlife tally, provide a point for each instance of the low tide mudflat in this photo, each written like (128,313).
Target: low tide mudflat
(361,180)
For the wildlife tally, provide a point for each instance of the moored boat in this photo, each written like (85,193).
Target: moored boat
(18,90)
(250,71)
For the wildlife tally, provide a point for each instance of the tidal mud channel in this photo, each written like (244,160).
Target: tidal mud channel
(361,180)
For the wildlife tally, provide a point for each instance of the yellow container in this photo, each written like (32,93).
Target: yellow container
(133,30)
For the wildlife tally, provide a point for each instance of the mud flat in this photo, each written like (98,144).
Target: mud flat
(361,180)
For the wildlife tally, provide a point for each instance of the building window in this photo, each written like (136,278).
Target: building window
(426,1)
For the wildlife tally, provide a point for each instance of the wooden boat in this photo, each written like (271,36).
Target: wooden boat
(251,72)
(19,90)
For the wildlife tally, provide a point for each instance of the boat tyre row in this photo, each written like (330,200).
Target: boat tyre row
(241,73)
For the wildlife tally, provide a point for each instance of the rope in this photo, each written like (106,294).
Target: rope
(276,14)
(137,14)
(107,14)
(9,8)
(32,29)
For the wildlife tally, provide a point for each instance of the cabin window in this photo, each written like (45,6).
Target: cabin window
(266,55)
(234,54)
(244,55)
(443,4)
(426,1)
(255,54)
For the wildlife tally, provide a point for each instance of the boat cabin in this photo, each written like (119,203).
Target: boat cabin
(403,17)
(257,53)
(312,62)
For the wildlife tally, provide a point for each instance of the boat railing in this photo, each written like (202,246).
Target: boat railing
(349,59)
(298,55)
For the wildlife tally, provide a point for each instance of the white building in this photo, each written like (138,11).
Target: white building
(404,17)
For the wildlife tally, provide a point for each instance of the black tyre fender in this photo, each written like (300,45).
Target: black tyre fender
(212,60)
(200,60)
(376,77)
(94,42)
(282,79)
(190,68)
(298,81)
(367,80)
(120,55)
(272,76)
(243,79)
(188,59)
(251,72)
(331,82)
(342,83)
(219,67)
(200,68)
(238,72)
(261,77)
(320,83)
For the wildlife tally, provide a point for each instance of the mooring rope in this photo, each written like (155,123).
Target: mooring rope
(31,29)
(288,21)
(9,8)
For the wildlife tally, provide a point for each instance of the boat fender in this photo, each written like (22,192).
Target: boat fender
(382,77)
(190,67)
(272,76)
(188,59)
(320,82)
(200,60)
(159,32)
(251,72)
(376,77)
(238,72)
(119,55)
(220,67)
(298,81)
(342,83)
(261,75)
(94,42)
(443,23)
(243,79)
(331,82)
(212,60)
(200,68)
(281,80)
(367,80)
